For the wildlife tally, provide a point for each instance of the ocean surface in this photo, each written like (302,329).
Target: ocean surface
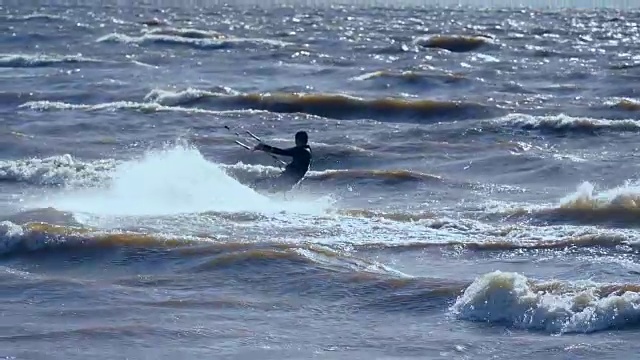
(474,192)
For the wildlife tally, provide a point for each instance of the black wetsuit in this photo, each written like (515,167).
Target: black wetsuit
(295,170)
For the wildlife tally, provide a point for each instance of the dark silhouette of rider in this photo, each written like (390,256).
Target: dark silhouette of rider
(296,169)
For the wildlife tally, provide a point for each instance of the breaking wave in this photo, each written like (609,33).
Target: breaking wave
(556,307)
(618,207)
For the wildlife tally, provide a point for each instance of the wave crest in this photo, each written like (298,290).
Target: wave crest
(556,307)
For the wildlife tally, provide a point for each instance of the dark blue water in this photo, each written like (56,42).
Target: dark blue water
(473,192)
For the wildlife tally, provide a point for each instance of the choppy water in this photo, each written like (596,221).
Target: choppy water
(474,192)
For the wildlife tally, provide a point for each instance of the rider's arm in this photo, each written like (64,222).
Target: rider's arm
(278,151)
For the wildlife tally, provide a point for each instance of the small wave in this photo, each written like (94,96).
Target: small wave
(188,33)
(345,107)
(188,96)
(393,176)
(46,105)
(64,170)
(410,77)
(556,307)
(35,16)
(620,206)
(29,237)
(625,66)
(340,107)
(49,216)
(41,60)
(564,123)
(40,229)
(416,295)
(572,242)
(394,216)
(194,42)
(626,104)
(155,22)
(336,106)
(543,52)
(315,255)
(453,43)
(38,236)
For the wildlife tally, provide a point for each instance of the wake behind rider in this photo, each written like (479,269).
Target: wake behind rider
(297,168)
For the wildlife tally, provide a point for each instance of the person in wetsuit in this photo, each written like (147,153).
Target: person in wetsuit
(297,168)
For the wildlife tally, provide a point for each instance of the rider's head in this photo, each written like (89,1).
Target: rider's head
(302,138)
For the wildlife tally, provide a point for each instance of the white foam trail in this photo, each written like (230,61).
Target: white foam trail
(173,181)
